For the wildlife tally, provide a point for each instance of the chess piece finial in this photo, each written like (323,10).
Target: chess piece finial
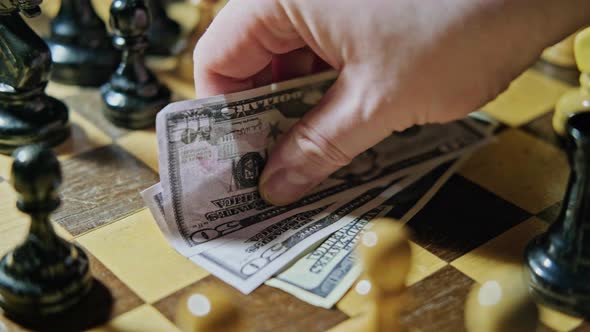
(185,66)
(559,260)
(164,33)
(80,47)
(27,114)
(501,303)
(386,257)
(133,96)
(210,310)
(578,99)
(45,275)
(561,54)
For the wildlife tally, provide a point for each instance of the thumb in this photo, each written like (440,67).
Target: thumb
(347,121)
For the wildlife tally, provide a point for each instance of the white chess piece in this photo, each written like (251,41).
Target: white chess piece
(210,310)
(501,303)
(386,257)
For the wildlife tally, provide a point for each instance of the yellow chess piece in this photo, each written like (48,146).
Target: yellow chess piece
(576,100)
(210,310)
(501,303)
(185,67)
(386,258)
(562,53)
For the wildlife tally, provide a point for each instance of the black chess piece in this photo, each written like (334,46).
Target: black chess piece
(45,275)
(133,96)
(27,114)
(80,46)
(559,260)
(164,33)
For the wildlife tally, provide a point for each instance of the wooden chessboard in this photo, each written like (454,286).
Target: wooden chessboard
(481,219)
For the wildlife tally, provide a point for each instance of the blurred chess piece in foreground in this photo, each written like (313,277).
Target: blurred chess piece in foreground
(210,310)
(577,100)
(386,258)
(501,303)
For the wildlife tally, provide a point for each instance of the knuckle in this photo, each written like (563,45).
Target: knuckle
(318,150)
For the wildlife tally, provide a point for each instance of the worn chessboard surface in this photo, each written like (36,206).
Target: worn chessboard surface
(481,219)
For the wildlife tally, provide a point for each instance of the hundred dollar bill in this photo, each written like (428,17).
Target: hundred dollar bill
(212,152)
(325,274)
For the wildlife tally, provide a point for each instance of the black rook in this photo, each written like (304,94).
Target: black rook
(559,260)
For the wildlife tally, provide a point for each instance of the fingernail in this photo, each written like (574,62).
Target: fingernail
(284,187)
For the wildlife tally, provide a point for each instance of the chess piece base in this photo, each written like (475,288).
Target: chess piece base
(133,111)
(555,282)
(32,119)
(33,291)
(77,65)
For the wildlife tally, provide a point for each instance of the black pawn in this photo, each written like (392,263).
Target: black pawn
(27,114)
(133,96)
(80,46)
(45,275)
(164,33)
(559,260)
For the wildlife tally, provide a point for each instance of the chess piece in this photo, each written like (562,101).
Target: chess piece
(164,33)
(386,256)
(27,114)
(80,48)
(559,260)
(185,68)
(561,54)
(210,310)
(501,303)
(578,99)
(45,275)
(133,96)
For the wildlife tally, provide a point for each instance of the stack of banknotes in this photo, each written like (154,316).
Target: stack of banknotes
(212,152)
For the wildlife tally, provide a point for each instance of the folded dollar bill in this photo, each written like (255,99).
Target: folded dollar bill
(212,151)
(252,255)
(325,274)
(211,154)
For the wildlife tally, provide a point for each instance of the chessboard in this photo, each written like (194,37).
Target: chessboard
(480,220)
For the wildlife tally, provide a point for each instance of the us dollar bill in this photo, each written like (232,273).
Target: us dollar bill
(212,151)
(322,276)
(325,274)
(254,254)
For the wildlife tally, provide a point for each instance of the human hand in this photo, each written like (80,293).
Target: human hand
(401,63)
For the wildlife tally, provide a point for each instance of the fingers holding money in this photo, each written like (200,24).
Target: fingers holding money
(347,121)
(236,52)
